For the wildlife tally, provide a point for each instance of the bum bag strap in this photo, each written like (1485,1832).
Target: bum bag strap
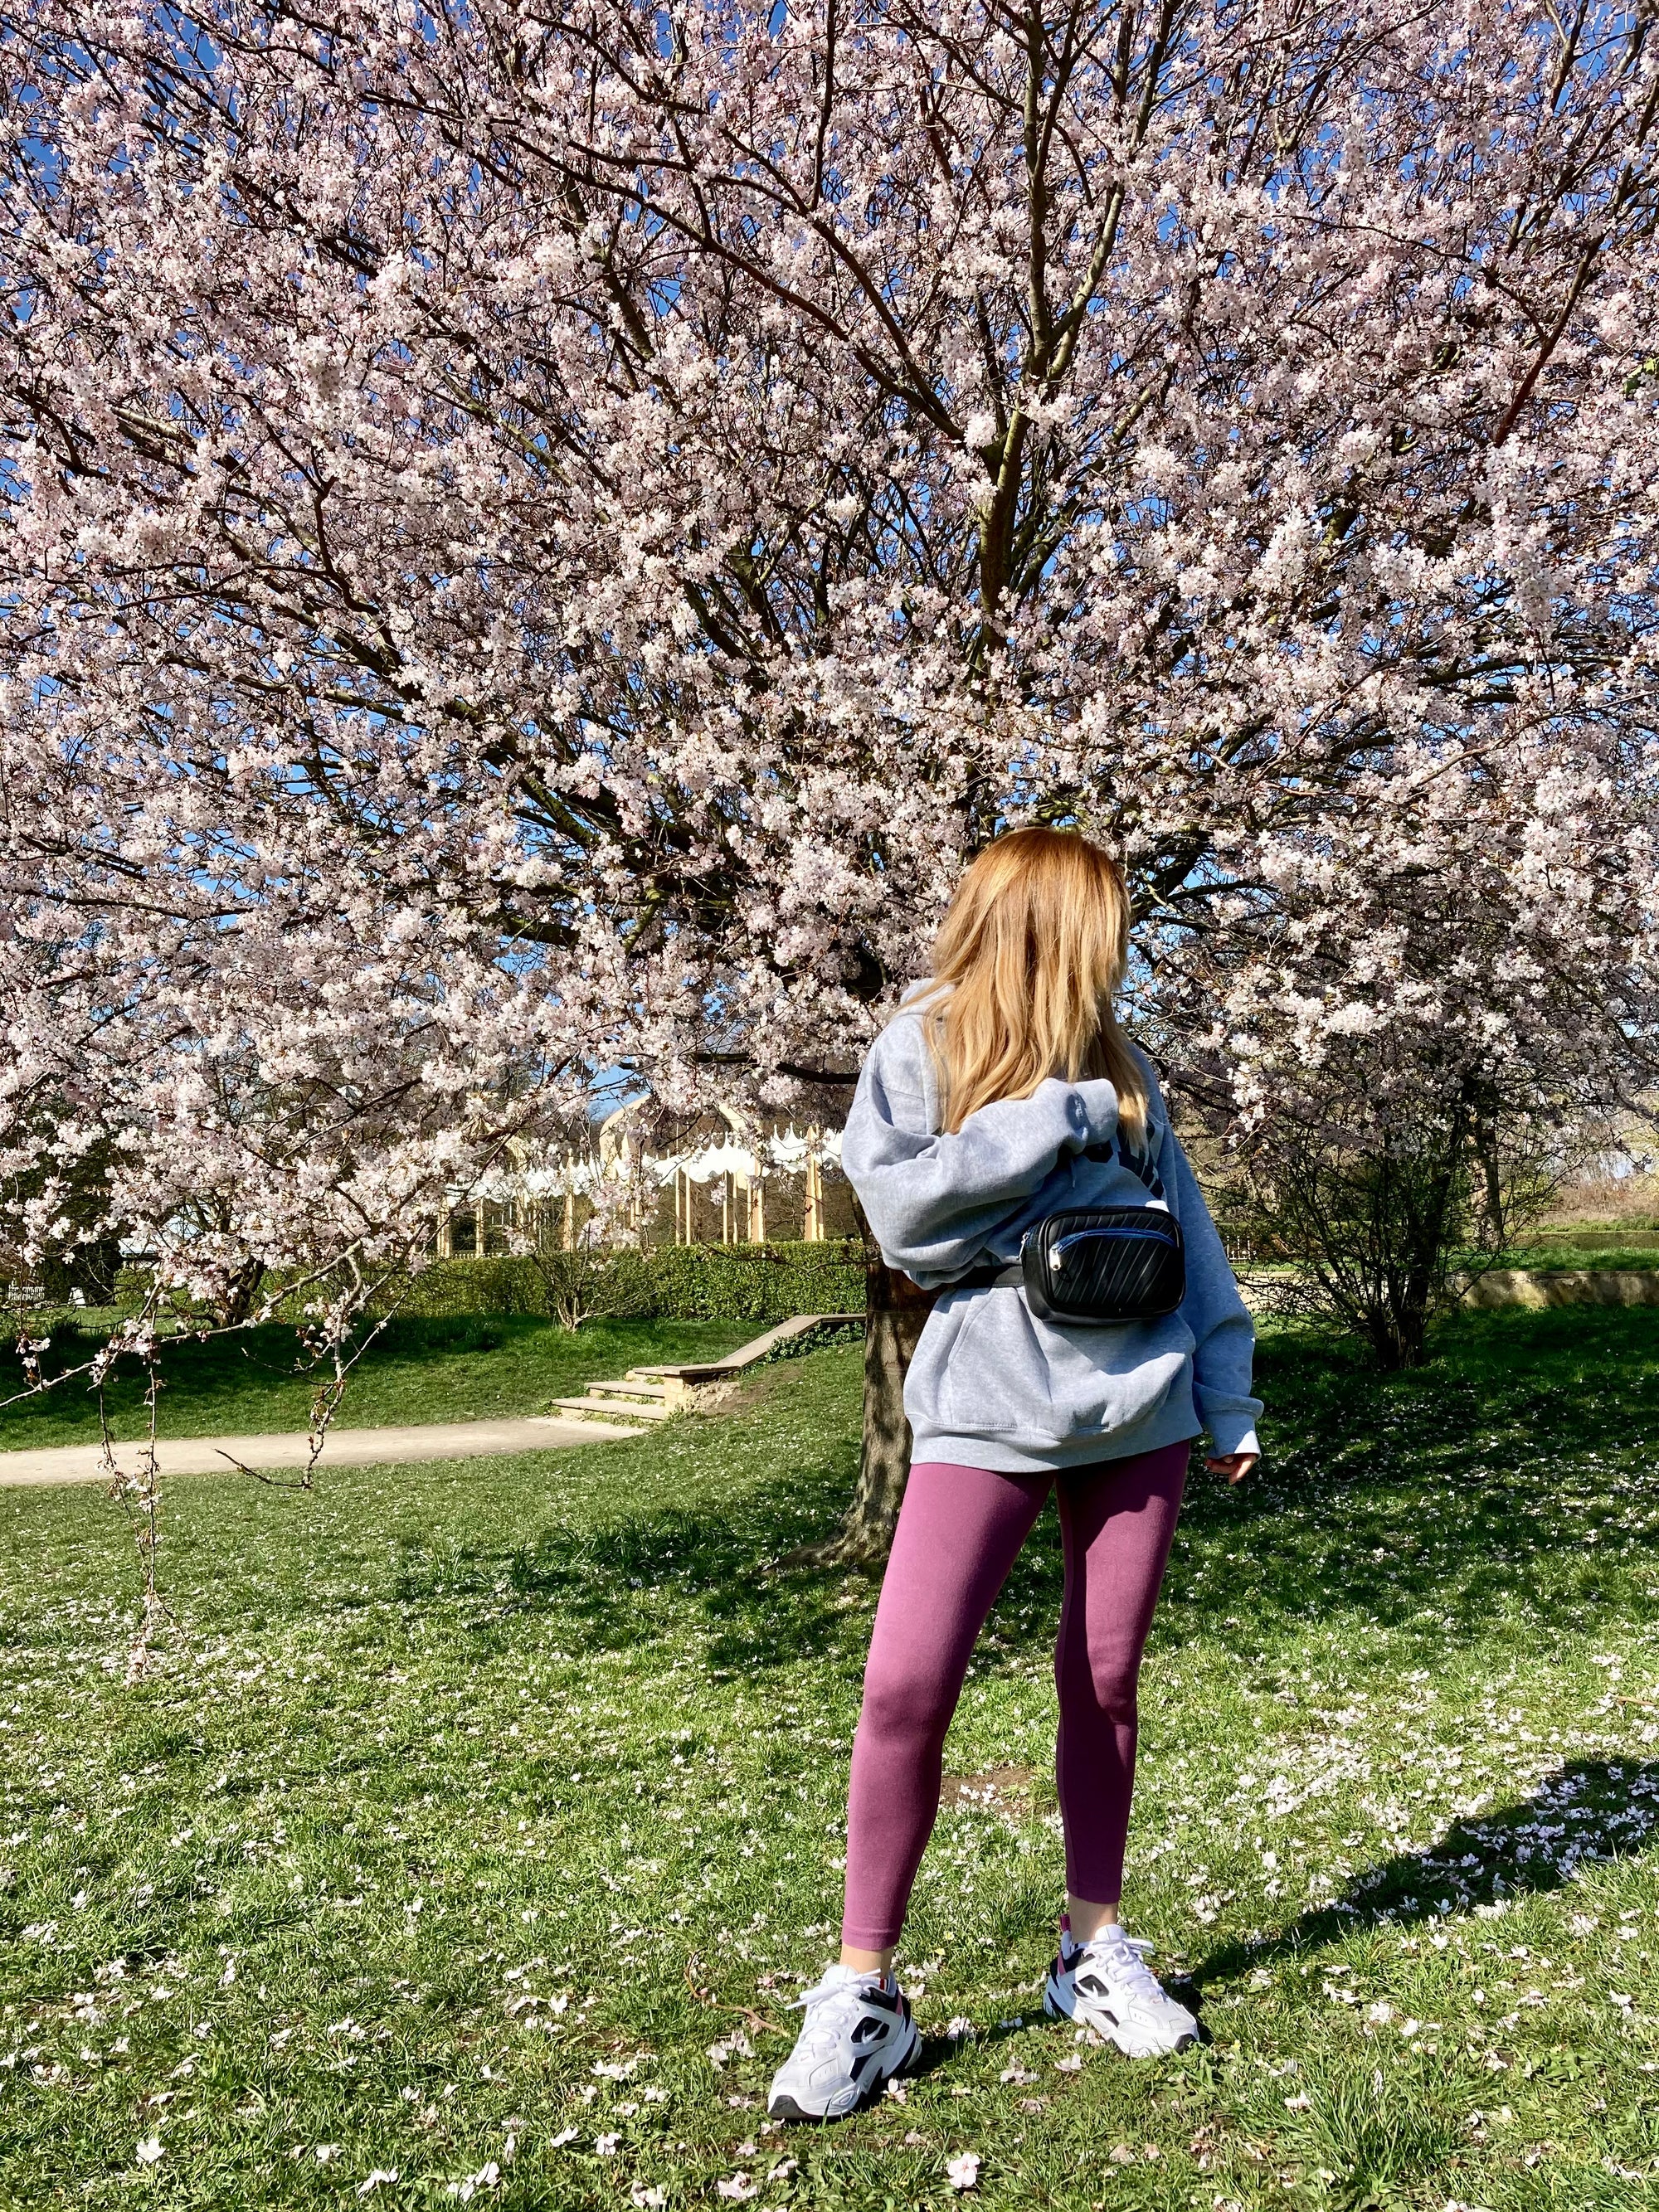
(996,1276)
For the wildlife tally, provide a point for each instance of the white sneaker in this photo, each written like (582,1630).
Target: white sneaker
(857,2034)
(1107,1985)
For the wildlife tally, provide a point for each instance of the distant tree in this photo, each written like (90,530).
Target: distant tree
(1389,1225)
(1406,1042)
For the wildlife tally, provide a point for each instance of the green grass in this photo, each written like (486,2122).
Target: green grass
(1617,1246)
(461,1369)
(479,1803)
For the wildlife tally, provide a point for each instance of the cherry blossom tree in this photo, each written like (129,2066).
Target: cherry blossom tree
(1409,1043)
(538,537)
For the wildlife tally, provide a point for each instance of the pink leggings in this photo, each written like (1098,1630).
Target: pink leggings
(959,1532)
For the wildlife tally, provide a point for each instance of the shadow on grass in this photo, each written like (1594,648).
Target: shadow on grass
(1476,1487)
(722,1566)
(1510,1476)
(1587,1812)
(629,1580)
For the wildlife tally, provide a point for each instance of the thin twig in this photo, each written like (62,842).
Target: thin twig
(707,1998)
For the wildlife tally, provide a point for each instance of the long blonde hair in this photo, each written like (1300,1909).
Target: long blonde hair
(1027,961)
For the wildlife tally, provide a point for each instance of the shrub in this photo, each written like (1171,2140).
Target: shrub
(758,1283)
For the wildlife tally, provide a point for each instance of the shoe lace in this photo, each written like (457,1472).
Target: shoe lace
(1124,1963)
(830,2006)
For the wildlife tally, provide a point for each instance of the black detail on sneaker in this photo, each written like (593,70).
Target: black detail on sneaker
(784,2108)
(890,2046)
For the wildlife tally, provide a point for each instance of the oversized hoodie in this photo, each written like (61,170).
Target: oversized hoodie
(991,1385)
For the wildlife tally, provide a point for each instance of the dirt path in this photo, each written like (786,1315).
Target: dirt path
(342,1448)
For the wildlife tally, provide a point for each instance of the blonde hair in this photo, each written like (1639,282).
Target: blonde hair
(1028,959)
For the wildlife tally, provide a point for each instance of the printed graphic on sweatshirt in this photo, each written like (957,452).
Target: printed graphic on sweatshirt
(1136,1158)
(1139,1162)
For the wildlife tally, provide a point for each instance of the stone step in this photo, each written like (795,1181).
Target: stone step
(610,1409)
(715,1370)
(629,1386)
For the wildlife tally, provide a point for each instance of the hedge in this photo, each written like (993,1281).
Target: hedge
(760,1283)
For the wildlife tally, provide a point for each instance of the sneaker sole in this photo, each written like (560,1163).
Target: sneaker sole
(1110,2030)
(785,2108)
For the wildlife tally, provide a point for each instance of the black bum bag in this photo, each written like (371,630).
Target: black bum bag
(1092,1264)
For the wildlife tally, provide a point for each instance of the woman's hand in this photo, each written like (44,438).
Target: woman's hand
(1234,1465)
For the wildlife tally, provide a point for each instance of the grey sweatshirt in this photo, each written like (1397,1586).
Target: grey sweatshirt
(991,1385)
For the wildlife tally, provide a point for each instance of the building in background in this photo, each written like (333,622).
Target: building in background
(644,1178)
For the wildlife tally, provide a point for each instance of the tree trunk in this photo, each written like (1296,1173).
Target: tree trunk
(896,1311)
(244,1287)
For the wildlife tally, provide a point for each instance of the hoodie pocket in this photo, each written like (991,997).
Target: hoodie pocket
(982,1393)
(1103,1380)
(993,1367)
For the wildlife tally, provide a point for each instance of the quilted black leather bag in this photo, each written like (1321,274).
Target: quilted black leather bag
(1089,1265)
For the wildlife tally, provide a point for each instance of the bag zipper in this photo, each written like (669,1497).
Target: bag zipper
(1083,1236)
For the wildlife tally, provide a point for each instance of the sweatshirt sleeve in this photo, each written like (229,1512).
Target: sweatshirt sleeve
(1223,1332)
(932,1198)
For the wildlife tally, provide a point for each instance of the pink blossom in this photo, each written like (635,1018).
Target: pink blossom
(569,592)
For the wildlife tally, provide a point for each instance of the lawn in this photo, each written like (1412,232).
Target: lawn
(1622,1248)
(485,1819)
(469,1367)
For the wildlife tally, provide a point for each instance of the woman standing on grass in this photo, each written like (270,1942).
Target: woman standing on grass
(1003,1099)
